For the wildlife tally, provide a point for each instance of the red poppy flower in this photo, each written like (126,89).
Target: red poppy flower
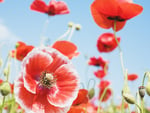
(106,12)
(98,62)
(21,50)
(100,73)
(67,48)
(106,42)
(1,0)
(103,84)
(132,77)
(54,7)
(48,82)
(82,97)
(1,81)
(83,108)
(106,95)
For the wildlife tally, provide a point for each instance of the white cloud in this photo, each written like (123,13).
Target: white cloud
(6,35)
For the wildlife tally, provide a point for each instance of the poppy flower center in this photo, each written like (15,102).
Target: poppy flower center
(47,80)
(117,18)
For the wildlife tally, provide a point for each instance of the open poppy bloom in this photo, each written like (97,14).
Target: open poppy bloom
(100,73)
(103,84)
(67,48)
(98,62)
(54,7)
(21,50)
(106,42)
(48,83)
(106,12)
(132,77)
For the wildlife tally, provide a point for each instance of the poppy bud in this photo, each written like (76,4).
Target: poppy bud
(78,27)
(5,88)
(129,98)
(148,87)
(91,93)
(142,91)
(70,24)
(7,70)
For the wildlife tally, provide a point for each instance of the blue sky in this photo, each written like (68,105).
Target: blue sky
(18,22)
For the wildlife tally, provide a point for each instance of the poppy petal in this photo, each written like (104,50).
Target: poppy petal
(58,60)
(39,5)
(36,63)
(100,19)
(67,84)
(106,7)
(66,47)
(34,103)
(130,10)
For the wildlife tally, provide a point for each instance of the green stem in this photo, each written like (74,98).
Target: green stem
(142,105)
(103,94)
(2,106)
(139,107)
(120,51)
(71,33)
(146,73)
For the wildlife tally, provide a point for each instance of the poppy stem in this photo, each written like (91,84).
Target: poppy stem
(65,34)
(45,26)
(71,33)
(146,74)
(103,94)
(120,51)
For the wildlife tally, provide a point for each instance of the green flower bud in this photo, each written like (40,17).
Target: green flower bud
(7,70)
(129,98)
(70,24)
(91,93)
(5,88)
(78,27)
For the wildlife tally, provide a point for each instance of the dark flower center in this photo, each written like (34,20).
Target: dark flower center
(117,18)
(47,80)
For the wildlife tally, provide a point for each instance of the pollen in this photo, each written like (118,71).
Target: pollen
(47,80)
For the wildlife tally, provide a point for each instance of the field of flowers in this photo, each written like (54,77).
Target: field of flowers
(48,81)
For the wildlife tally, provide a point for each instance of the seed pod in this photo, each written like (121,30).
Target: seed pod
(5,88)
(91,93)
(142,91)
(129,98)
(78,27)
(70,24)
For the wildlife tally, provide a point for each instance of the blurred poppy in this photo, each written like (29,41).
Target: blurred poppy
(53,8)
(107,42)
(103,84)
(98,62)
(107,94)
(106,12)
(1,0)
(100,73)
(83,108)
(132,77)
(1,81)
(48,83)
(82,97)
(21,50)
(67,48)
